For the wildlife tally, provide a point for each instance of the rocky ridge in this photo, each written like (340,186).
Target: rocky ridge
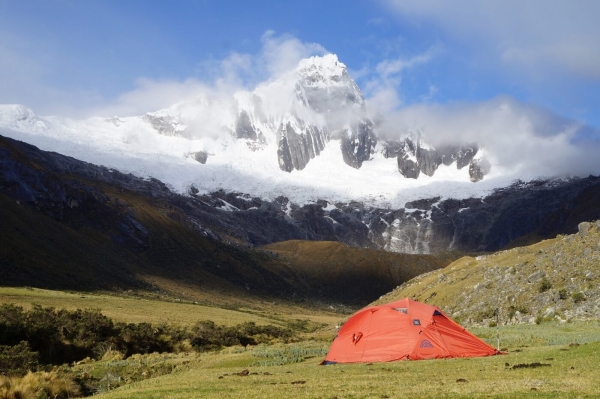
(556,279)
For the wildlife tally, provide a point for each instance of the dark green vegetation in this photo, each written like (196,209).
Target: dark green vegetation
(45,336)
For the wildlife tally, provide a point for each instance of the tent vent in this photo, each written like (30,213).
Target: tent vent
(416,322)
(402,310)
(437,313)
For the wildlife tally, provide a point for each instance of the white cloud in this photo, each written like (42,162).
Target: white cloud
(238,71)
(281,54)
(382,85)
(391,68)
(526,34)
(150,95)
(528,141)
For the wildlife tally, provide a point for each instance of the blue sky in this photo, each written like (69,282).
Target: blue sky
(80,57)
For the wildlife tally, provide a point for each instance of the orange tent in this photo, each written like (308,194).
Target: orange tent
(401,330)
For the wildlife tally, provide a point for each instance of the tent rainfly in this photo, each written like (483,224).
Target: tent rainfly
(403,330)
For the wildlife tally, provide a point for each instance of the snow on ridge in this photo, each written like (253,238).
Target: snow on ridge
(135,148)
(327,66)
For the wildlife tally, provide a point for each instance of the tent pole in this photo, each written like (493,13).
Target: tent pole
(498,328)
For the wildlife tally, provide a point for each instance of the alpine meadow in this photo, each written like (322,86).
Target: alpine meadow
(335,200)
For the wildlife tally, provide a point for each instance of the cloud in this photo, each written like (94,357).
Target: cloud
(391,68)
(520,139)
(562,35)
(221,78)
(382,83)
(282,53)
(150,95)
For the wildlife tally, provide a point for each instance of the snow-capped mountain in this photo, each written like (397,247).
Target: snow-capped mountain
(298,113)
(307,135)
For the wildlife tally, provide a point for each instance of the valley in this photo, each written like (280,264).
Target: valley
(215,247)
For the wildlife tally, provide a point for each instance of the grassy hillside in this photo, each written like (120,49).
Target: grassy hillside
(135,309)
(554,279)
(344,273)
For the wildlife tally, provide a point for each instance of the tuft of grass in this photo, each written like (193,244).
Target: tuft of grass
(38,385)
(578,297)
(289,354)
(545,285)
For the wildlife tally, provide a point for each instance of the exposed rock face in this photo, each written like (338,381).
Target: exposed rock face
(428,225)
(415,157)
(358,143)
(300,112)
(244,128)
(478,168)
(169,125)
(300,145)
(326,87)
(201,156)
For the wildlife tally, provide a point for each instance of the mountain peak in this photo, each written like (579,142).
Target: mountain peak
(327,63)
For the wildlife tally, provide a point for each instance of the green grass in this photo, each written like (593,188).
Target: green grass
(291,370)
(132,309)
(568,354)
(546,334)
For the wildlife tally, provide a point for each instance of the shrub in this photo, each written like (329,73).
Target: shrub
(206,335)
(513,309)
(17,359)
(486,314)
(578,297)
(563,294)
(545,285)
(542,319)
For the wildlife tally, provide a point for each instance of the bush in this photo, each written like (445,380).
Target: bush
(206,335)
(545,285)
(17,359)
(513,309)
(578,297)
(51,385)
(563,294)
(486,314)
(45,336)
(13,388)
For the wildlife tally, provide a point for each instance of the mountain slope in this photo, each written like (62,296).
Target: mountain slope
(72,225)
(338,271)
(553,279)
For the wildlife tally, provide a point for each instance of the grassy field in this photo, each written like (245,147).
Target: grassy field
(138,310)
(564,371)
(549,360)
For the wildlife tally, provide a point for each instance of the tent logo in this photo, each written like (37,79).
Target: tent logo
(356,337)
(426,344)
